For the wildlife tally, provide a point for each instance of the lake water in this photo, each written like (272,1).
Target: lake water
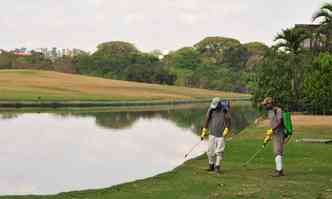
(48,153)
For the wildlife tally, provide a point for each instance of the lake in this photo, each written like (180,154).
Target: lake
(52,152)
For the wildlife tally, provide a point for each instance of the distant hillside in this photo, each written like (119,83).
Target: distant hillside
(46,85)
(216,63)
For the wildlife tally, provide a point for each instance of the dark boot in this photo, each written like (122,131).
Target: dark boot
(211,167)
(278,173)
(217,169)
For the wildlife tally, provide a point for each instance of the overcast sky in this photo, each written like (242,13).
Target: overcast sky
(149,24)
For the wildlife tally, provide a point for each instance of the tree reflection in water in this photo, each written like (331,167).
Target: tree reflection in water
(191,118)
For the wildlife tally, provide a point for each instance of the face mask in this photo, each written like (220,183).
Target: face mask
(268,108)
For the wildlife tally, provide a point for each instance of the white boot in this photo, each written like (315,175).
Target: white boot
(278,160)
(279,169)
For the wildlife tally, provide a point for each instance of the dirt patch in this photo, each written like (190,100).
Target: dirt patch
(306,121)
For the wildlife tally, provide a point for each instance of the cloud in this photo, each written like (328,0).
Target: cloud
(188,18)
(134,18)
(150,24)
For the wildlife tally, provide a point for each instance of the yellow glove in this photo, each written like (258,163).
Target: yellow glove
(204,133)
(226,132)
(268,137)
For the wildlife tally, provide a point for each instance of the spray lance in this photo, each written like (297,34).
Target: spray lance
(267,139)
(205,132)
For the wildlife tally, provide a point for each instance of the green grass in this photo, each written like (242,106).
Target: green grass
(308,169)
(31,85)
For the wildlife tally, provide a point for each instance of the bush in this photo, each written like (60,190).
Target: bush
(317,87)
(273,78)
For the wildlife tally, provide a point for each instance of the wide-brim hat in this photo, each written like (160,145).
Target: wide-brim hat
(267,100)
(215,102)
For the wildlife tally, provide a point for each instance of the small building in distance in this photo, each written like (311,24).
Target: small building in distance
(316,39)
(76,52)
(22,52)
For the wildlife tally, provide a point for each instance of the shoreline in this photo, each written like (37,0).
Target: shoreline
(82,104)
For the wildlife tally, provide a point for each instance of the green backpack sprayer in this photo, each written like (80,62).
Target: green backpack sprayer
(287,124)
(288,132)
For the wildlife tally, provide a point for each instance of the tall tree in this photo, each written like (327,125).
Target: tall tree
(324,16)
(318,85)
(273,78)
(115,49)
(222,50)
(185,58)
(291,41)
(256,52)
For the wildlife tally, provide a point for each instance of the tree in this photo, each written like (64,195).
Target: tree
(318,85)
(157,53)
(7,60)
(256,52)
(184,58)
(291,40)
(214,45)
(324,16)
(115,49)
(273,78)
(221,50)
(64,65)
(149,73)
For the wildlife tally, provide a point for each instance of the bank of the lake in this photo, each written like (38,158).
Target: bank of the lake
(308,171)
(35,88)
(118,103)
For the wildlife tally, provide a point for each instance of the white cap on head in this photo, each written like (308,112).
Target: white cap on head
(215,102)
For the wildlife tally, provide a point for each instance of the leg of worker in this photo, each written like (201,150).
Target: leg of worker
(211,150)
(219,150)
(278,142)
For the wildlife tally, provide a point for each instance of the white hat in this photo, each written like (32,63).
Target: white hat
(215,102)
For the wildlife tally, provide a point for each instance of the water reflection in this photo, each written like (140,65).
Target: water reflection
(49,153)
(184,118)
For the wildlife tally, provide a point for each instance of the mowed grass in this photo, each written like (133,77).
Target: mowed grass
(308,169)
(20,85)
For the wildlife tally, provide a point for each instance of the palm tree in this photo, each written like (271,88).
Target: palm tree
(324,16)
(291,40)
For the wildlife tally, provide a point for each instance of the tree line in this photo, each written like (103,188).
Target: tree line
(297,76)
(213,63)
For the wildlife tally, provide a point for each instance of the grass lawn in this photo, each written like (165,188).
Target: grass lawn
(29,85)
(308,169)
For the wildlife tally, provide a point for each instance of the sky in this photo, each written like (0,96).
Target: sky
(149,24)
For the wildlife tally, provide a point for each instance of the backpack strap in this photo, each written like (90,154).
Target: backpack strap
(275,109)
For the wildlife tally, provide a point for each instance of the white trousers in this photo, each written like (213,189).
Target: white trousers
(216,147)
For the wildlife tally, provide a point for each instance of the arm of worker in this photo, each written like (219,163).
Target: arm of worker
(260,119)
(207,119)
(206,124)
(268,137)
(227,125)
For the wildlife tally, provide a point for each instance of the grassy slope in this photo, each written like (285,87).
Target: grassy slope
(308,172)
(30,84)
